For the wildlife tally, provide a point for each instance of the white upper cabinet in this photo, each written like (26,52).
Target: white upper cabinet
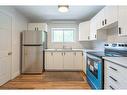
(37,26)
(84,31)
(108,15)
(111,14)
(122,20)
(93,28)
(95,33)
(101,16)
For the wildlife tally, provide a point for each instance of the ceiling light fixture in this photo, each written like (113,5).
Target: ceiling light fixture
(63,8)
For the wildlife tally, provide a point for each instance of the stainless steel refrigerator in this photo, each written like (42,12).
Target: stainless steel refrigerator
(33,45)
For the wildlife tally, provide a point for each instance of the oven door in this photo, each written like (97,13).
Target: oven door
(94,71)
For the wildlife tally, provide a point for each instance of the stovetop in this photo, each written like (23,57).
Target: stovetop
(112,50)
(107,54)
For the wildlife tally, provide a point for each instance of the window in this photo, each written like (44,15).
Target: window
(63,34)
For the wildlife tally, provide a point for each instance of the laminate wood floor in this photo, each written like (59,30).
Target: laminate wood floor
(38,82)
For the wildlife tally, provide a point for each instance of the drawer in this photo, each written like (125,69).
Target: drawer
(117,70)
(115,76)
(111,86)
(116,84)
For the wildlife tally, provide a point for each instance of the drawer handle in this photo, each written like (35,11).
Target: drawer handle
(113,68)
(113,78)
(111,87)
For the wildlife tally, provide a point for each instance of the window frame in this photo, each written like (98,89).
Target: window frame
(74,35)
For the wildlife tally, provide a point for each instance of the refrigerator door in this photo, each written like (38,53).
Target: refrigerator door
(32,60)
(32,38)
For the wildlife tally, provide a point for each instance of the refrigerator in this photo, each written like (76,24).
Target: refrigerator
(33,44)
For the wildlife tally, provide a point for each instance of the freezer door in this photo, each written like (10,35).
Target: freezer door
(32,60)
(32,37)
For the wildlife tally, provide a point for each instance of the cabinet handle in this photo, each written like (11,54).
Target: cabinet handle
(102,23)
(113,78)
(119,30)
(62,53)
(51,53)
(10,53)
(95,35)
(82,53)
(75,53)
(111,87)
(88,37)
(105,21)
(35,28)
(113,68)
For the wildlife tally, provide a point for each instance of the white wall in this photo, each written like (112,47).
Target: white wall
(19,24)
(65,24)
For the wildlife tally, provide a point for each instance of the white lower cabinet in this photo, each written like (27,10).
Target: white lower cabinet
(78,60)
(63,60)
(68,61)
(58,60)
(114,76)
(49,60)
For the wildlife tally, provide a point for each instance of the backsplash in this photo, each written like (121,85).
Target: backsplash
(112,37)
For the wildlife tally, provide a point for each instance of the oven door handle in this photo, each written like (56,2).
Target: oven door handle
(94,58)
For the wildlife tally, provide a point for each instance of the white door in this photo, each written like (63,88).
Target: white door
(122,20)
(58,60)
(78,61)
(68,61)
(5,48)
(49,61)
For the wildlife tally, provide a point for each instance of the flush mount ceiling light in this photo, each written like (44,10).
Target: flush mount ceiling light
(63,8)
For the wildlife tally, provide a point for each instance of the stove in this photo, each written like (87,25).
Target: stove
(95,63)
(108,54)
(112,50)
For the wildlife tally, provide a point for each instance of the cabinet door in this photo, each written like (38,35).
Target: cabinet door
(84,31)
(84,62)
(49,64)
(42,26)
(58,60)
(68,61)
(5,48)
(78,61)
(111,14)
(102,18)
(122,20)
(32,26)
(37,26)
(93,28)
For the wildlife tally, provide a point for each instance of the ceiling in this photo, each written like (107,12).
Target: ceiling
(51,13)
